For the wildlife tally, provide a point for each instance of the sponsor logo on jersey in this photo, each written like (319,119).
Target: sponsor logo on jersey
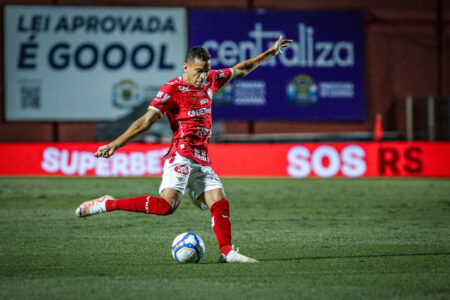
(220,74)
(203,131)
(182,169)
(199,112)
(183,88)
(201,154)
(162,97)
(204,101)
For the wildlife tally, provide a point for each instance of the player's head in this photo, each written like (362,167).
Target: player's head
(196,66)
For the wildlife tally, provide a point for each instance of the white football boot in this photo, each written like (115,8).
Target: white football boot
(235,257)
(92,207)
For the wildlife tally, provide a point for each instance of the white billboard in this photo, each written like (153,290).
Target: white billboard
(88,63)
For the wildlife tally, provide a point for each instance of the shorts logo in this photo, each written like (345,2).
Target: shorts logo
(182,169)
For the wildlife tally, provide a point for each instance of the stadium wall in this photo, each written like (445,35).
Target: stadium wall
(351,160)
(406,53)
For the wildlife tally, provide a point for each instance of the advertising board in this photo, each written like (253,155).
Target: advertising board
(320,76)
(67,63)
(324,160)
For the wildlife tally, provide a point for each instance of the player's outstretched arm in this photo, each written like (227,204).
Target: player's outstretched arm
(246,66)
(136,129)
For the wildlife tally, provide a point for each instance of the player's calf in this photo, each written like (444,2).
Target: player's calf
(146,204)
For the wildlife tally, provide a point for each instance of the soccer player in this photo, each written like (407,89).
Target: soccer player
(186,101)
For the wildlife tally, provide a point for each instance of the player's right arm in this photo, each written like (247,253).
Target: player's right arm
(157,107)
(139,127)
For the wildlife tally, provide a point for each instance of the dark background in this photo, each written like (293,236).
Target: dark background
(407,52)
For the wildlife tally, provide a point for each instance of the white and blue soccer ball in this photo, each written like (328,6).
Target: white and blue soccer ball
(188,248)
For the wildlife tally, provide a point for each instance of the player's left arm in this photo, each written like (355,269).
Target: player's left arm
(246,66)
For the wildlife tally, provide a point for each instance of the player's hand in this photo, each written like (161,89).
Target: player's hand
(105,151)
(280,44)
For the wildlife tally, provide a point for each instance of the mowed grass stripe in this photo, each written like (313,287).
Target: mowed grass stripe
(316,239)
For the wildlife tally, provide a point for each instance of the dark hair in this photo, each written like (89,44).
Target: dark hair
(197,52)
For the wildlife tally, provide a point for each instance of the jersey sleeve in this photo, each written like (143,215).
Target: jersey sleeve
(162,100)
(221,78)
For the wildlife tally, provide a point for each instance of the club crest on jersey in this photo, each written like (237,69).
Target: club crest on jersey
(194,99)
(182,169)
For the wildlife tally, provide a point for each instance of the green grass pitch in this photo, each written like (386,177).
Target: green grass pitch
(315,239)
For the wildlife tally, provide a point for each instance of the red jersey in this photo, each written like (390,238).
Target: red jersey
(189,112)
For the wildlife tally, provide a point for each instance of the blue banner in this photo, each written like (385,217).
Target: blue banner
(319,77)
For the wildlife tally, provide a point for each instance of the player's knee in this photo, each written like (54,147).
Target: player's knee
(169,211)
(173,202)
(212,197)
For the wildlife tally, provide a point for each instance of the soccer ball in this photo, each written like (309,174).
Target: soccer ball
(188,248)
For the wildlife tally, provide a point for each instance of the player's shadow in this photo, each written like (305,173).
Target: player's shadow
(352,256)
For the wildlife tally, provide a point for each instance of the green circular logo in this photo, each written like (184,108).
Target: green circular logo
(302,90)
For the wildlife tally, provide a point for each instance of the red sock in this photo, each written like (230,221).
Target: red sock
(146,204)
(220,222)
